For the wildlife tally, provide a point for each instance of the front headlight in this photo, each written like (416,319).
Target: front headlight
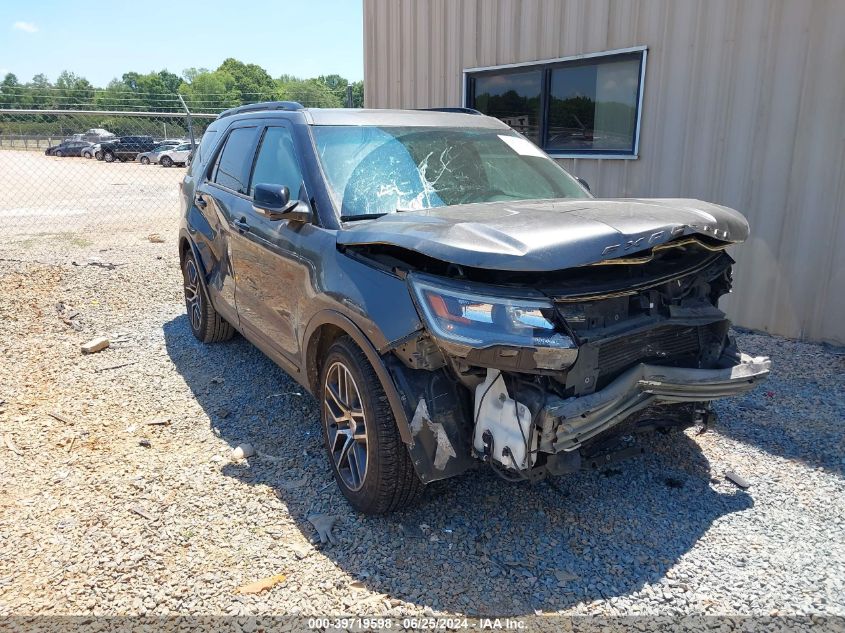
(480,319)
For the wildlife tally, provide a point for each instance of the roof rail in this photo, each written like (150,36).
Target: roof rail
(259,107)
(459,110)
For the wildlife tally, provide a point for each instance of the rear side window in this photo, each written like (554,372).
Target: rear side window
(277,163)
(203,149)
(235,161)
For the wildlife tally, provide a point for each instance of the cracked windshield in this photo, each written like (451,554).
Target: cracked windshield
(379,170)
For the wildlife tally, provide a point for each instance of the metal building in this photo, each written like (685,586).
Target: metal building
(739,102)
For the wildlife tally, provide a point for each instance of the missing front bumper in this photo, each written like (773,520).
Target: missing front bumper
(579,419)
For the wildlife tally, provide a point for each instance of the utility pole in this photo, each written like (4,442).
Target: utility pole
(348,95)
(190,126)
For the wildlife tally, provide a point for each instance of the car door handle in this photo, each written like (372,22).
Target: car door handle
(200,202)
(242,225)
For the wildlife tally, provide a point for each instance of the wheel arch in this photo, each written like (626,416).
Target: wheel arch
(326,327)
(186,244)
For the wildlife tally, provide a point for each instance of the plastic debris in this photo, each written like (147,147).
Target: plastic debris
(738,480)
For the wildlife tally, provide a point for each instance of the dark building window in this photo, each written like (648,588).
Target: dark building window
(512,97)
(577,107)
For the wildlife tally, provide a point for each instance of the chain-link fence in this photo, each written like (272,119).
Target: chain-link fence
(96,171)
(93,171)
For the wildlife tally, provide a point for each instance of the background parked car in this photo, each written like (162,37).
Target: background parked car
(179,155)
(98,135)
(151,157)
(127,148)
(96,151)
(68,148)
(145,158)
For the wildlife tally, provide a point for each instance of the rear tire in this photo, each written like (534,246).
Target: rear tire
(166,161)
(98,155)
(206,323)
(371,464)
(145,160)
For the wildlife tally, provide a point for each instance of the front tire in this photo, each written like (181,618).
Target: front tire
(371,464)
(145,160)
(98,155)
(206,323)
(108,157)
(58,153)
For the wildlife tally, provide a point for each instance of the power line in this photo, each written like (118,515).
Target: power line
(130,93)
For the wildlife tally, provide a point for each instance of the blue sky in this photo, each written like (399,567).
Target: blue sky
(100,40)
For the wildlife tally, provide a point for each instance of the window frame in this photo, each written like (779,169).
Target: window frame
(546,66)
(211,172)
(282,123)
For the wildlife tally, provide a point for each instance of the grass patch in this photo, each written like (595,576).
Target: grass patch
(67,237)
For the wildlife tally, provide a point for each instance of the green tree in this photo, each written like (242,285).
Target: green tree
(38,93)
(210,92)
(252,82)
(117,95)
(73,92)
(312,93)
(10,91)
(170,81)
(153,91)
(339,85)
(358,94)
(189,74)
(336,83)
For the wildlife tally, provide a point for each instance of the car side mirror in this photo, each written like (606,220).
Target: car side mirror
(274,203)
(583,183)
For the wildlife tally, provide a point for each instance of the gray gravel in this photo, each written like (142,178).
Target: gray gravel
(104,513)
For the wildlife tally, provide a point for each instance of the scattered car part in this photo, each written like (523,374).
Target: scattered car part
(739,480)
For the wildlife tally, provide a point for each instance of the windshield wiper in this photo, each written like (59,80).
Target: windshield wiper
(362,216)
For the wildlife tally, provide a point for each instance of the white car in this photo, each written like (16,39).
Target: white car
(95,151)
(153,156)
(179,155)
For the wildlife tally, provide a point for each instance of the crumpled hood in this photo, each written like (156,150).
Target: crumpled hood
(545,235)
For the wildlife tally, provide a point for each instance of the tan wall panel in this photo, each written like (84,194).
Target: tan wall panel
(744,105)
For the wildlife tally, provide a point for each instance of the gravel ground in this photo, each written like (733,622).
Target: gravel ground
(102,512)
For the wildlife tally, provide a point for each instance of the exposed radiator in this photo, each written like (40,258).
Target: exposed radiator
(664,343)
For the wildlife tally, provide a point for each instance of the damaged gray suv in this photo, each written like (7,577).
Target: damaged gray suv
(451,296)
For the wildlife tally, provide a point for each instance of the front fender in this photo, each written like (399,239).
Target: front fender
(310,366)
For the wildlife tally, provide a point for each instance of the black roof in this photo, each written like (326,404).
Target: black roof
(260,107)
(433,117)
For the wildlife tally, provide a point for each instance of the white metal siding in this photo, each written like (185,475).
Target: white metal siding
(744,105)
